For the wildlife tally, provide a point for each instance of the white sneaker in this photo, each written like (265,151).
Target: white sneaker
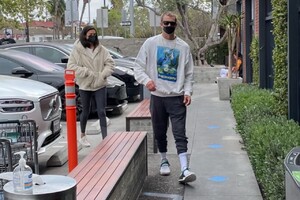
(84,142)
(165,168)
(187,176)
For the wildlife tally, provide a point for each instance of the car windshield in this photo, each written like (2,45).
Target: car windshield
(67,47)
(115,53)
(36,62)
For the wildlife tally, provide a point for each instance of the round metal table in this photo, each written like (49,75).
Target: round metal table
(55,187)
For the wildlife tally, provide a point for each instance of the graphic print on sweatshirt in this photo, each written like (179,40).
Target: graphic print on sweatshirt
(167,63)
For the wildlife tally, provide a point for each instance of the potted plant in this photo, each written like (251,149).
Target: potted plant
(232,23)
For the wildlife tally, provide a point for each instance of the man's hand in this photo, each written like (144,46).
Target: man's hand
(187,100)
(151,86)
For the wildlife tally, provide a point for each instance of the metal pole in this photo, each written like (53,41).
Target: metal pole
(72,26)
(102,28)
(154,22)
(27,23)
(132,31)
(89,12)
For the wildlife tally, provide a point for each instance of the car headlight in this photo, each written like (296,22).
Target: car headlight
(126,70)
(15,105)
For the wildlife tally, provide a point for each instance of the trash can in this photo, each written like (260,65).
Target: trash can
(55,187)
(292,174)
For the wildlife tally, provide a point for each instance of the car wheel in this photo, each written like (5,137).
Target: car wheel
(63,101)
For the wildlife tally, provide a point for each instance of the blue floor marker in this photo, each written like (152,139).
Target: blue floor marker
(215,146)
(218,178)
(213,126)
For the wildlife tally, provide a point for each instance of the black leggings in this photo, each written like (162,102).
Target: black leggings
(86,100)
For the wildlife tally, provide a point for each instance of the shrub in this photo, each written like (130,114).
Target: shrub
(268,136)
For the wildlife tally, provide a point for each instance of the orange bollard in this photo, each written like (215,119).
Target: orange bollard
(71,118)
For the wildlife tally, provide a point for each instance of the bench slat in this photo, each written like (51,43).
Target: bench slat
(142,110)
(140,119)
(96,174)
(85,164)
(120,168)
(99,172)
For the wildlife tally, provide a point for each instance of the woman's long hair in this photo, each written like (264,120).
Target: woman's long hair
(82,38)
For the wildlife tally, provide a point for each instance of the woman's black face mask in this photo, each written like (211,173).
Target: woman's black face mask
(92,38)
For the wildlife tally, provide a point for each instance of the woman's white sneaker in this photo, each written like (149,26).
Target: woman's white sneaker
(84,142)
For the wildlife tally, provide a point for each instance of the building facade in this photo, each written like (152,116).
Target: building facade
(257,22)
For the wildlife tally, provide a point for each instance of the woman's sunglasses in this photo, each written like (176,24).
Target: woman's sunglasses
(166,23)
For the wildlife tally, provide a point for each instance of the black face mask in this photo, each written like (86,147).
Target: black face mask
(169,29)
(92,38)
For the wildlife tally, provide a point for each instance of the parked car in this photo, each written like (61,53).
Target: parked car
(116,54)
(58,53)
(20,64)
(28,99)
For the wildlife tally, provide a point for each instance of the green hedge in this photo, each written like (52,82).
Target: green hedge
(267,135)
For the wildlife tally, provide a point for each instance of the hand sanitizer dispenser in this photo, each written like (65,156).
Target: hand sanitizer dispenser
(22,176)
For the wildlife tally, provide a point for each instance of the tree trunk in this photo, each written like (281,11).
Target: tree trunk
(230,50)
(56,19)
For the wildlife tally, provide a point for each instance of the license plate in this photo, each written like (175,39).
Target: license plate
(56,126)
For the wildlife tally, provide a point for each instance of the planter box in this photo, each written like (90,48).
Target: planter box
(224,85)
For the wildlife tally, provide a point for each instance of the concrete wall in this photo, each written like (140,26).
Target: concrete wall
(128,46)
(207,74)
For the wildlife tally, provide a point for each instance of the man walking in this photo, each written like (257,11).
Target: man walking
(165,66)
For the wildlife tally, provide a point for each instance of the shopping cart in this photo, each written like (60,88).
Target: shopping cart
(5,163)
(22,136)
(17,135)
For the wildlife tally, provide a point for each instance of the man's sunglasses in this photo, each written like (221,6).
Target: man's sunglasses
(166,23)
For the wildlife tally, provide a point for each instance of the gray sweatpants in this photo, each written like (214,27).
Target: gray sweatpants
(163,108)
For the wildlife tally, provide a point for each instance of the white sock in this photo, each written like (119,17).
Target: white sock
(183,160)
(163,155)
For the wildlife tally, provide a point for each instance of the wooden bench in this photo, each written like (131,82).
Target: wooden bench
(115,169)
(140,120)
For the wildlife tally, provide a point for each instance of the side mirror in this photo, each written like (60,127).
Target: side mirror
(22,72)
(64,60)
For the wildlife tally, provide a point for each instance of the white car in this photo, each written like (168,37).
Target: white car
(28,99)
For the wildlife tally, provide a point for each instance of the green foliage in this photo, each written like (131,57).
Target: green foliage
(56,9)
(268,136)
(141,21)
(279,22)
(217,54)
(115,19)
(254,56)
(22,9)
(249,101)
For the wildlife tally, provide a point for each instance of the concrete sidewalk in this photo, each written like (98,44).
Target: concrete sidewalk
(223,169)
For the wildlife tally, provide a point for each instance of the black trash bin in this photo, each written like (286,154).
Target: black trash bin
(292,174)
